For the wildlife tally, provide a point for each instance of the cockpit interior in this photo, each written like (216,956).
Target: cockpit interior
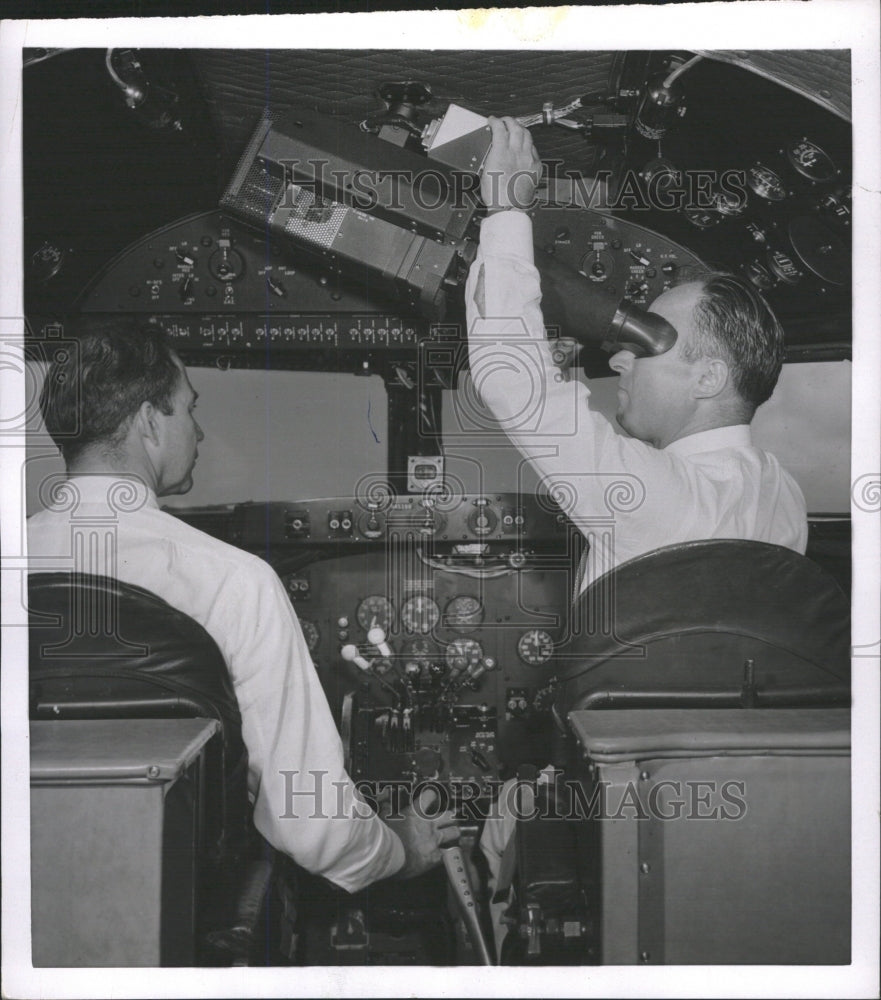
(260,206)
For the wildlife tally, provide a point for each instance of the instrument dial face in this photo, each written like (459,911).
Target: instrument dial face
(535,647)
(310,634)
(811,161)
(784,267)
(420,614)
(729,203)
(759,275)
(766,183)
(375,611)
(703,218)
(463,653)
(226,264)
(598,264)
(463,614)
(420,650)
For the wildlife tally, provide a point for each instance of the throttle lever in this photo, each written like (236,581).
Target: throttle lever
(460,882)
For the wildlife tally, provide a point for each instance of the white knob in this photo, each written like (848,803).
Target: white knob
(376,637)
(350,653)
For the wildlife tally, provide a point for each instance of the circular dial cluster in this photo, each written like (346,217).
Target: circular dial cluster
(375,611)
(535,647)
(463,653)
(420,614)
(420,650)
(811,160)
(463,614)
(310,634)
(766,183)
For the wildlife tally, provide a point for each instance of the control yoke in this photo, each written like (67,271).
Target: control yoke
(589,315)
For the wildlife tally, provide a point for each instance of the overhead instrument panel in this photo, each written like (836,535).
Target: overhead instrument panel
(343,206)
(750,176)
(626,260)
(230,297)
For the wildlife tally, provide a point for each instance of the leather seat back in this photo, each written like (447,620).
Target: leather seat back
(100,648)
(708,623)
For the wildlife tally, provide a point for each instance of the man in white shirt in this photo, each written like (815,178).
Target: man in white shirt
(688,470)
(120,408)
(689,463)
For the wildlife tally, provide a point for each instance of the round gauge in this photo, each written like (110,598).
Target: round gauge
(535,647)
(226,264)
(483,520)
(420,649)
(310,634)
(756,233)
(766,183)
(820,250)
(46,262)
(729,203)
(598,265)
(463,653)
(784,267)
(420,614)
(759,275)
(661,174)
(836,207)
(375,611)
(703,218)
(371,525)
(463,614)
(811,161)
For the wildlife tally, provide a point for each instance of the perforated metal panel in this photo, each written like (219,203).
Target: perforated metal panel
(241,83)
(314,221)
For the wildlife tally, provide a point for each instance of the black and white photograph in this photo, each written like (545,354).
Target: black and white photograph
(440,467)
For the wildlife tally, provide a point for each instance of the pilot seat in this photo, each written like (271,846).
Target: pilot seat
(719,670)
(105,650)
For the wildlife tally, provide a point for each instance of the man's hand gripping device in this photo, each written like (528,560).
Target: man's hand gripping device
(581,310)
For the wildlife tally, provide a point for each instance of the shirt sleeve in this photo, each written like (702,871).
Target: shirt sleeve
(306,804)
(586,465)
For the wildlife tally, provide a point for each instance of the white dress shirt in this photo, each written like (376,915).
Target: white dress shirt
(114,527)
(625,496)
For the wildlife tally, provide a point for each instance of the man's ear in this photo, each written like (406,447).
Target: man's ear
(146,424)
(713,378)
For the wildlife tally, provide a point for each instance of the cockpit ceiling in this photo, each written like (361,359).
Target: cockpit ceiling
(775,122)
(822,75)
(241,82)
(344,84)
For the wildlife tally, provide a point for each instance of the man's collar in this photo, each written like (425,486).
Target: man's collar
(116,493)
(731,436)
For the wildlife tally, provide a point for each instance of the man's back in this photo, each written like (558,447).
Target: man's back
(114,527)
